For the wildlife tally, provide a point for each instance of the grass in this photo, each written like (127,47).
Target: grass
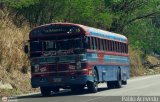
(12,58)
(137,69)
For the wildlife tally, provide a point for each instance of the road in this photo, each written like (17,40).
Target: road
(139,86)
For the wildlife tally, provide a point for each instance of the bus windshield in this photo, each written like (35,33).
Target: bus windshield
(56,45)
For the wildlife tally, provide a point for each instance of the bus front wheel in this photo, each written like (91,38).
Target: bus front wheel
(77,88)
(45,91)
(93,86)
(55,89)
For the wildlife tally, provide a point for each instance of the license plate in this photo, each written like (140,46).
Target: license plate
(57,80)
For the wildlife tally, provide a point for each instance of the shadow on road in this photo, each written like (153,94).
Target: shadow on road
(62,93)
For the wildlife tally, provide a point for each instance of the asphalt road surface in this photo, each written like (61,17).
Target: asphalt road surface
(139,86)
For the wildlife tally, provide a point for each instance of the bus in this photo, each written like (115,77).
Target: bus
(74,56)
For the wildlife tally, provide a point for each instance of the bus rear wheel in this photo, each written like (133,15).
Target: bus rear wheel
(45,91)
(115,84)
(124,82)
(93,86)
(118,83)
(110,84)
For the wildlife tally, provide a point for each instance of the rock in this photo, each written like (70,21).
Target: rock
(5,85)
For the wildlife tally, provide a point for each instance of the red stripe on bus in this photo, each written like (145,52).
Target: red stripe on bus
(106,63)
(108,53)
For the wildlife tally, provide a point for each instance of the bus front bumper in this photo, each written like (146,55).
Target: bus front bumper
(60,81)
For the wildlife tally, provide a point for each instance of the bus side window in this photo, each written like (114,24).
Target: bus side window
(91,43)
(122,47)
(116,46)
(119,47)
(101,44)
(111,42)
(87,43)
(107,47)
(95,44)
(104,44)
(126,48)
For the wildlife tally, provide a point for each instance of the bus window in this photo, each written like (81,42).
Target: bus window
(98,47)
(107,47)
(104,44)
(77,43)
(114,46)
(118,46)
(35,46)
(126,48)
(87,43)
(91,42)
(122,47)
(94,43)
(111,42)
(49,46)
(101,44)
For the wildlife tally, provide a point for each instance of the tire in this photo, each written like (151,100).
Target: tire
(118,83)
(55,89)
(110,84)
(45,91)
(115,84)
(124,82)
(93,86)
(77,88)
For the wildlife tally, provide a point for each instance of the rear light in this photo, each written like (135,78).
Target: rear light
(90,72)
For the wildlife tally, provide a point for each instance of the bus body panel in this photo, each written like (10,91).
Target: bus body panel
(109,73)
(65,81)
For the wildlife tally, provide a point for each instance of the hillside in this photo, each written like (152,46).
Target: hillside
(14,69)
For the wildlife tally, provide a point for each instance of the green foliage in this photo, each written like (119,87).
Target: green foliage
(20,3)
(139,20)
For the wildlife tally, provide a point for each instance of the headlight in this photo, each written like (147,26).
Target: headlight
(36,68)
(78,65)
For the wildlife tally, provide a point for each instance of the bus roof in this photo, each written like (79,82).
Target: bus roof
(90,31)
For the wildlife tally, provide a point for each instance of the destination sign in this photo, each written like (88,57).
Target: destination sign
(55,29)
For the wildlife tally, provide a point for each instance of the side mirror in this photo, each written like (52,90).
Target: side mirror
(26,49)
